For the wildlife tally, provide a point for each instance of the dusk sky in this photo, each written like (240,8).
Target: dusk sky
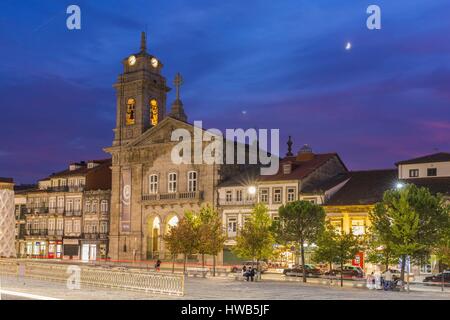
(255,63)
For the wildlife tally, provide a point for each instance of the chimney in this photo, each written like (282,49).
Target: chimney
(305,153)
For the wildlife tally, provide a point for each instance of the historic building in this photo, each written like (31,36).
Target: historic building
(298,178)
(7,218)
(55,211)
(150,192)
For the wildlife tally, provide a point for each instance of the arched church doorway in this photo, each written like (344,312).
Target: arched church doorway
(153,237)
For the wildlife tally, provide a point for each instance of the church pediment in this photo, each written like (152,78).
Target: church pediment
(161,133)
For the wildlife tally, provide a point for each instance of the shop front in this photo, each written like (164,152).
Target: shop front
(55,249)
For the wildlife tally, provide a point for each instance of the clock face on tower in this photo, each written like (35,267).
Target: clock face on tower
(131,60)
(154,62)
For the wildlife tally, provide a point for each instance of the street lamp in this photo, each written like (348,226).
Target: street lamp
(252,190)
(399,185)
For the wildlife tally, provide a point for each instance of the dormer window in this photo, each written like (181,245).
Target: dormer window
(287,168)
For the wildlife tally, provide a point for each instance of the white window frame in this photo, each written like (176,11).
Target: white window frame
(172,178)
(192,181)
(104,206)
(153,184)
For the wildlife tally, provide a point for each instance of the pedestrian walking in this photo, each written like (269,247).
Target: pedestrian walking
(158,265)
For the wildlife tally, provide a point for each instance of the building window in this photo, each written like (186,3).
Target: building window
(77,204)
(88,206)
(51,224)
(104,206)
(60,224)
(277,195)
(103,227)
(76,226)
(94,206)
(287,168)
(153,112)
(239,195)
(358,227)
(232,226)
(337,225)
(228,196)
(69,205)
(192,181)
(130,116)
(68,226)
(264,195)
(172,187)
(290,194)
(413,173)
(431,172)
(153,184)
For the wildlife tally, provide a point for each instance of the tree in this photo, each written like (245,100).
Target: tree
(183,238)
(442,251)
(347,246)
(335,247)
(172,240)
(410,220)
(380,252)
(255,239)
(326,250)
(210,233)
(300,222)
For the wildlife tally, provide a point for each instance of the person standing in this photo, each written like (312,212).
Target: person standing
(387,279)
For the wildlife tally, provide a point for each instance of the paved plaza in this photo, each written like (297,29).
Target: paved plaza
(198,289)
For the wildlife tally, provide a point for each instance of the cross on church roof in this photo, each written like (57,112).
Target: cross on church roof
(143,42)
(178,81)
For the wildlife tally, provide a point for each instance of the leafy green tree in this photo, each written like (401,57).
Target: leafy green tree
(347,246)
(210,233)
(381,253)
(255,240)
(183,237)
(411,221)
(442,251)
(300,222)
(326,247)
(172,241)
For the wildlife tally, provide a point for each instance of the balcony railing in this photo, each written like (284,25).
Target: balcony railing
(95,235)
(37,210)
(226,202)
(171,197)
(36,232)
(55,232)
(74,213)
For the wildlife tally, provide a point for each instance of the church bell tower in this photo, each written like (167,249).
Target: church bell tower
(141,93)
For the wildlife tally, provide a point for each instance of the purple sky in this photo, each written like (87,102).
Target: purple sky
(282,62)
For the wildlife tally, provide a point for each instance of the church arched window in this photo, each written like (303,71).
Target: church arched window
(131,116)
(153,112)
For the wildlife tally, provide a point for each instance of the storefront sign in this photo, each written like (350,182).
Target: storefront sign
(358,260)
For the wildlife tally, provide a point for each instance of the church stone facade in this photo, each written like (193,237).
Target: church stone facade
(149,192)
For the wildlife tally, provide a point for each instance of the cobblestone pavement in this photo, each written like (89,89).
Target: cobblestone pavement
(226,289)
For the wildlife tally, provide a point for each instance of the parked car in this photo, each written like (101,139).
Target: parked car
(263,266)
(438,278)
(396,275)
(297,271)
(347,272)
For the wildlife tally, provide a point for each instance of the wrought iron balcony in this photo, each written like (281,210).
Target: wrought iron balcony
(36,232)
(162,198)
(74,213)
(233,202)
